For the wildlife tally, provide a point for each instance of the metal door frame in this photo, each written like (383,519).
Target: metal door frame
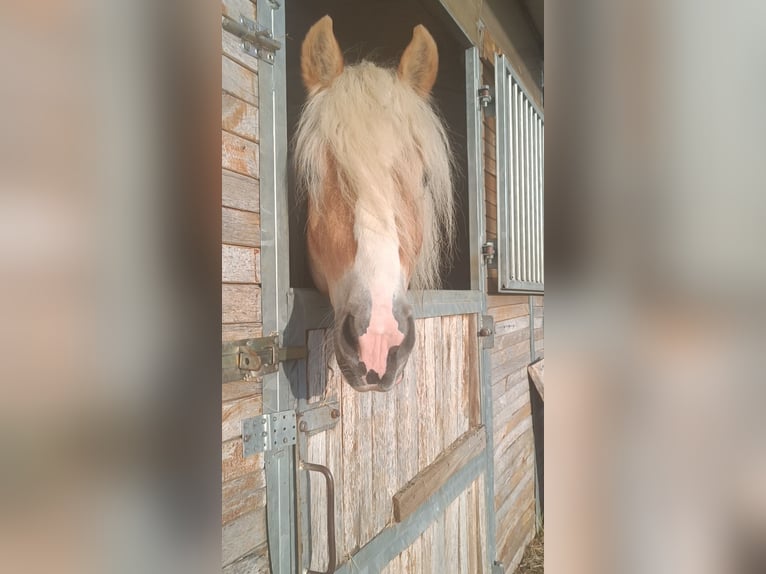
(303,309)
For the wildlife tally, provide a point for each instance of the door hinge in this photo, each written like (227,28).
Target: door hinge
(487,100)
(257,40)
(487,331)
(272,431)
(319,417)
(251,358)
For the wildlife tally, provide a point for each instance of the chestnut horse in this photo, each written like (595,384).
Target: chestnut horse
(373,162)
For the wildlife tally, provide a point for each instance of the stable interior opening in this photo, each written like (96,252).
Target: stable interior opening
(379,30)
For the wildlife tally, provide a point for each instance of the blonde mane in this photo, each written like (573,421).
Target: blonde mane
(389,148)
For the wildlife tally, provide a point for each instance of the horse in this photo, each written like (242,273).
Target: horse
(373,163)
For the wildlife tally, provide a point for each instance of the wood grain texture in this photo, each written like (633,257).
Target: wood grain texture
(239,155)
(233,462)
(240,264)
(240,227)
(240,191)
(241,303)
(239,81)
(256,562)
(239,331)
(242,495)
(432,478)
(243,535)
(240,389)
(239,117)
(233,412)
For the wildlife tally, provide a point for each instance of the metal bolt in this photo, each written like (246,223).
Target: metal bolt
(335,413)
(284,440)
(304,426)
(264,434)
(485,332)
(246,437)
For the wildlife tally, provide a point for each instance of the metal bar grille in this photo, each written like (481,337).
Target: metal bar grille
(519,129)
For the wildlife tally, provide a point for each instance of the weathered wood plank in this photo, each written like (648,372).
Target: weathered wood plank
(433,477)
(239,155)
(240,191)
(520,422)
(366,469)
(233,462)
(243,535)
(233,412)
(536,374)
(451,539)
(241,303)
(232,47)
(511,326)
(505,300)
(471,347)
(256,562)
(242,495)
(236,8)
(425,392)
(240,389)
(240,264)
(239,331)
(351,468)
(514,537)
(509,311)
(239,81)
(239,117)
(240,227)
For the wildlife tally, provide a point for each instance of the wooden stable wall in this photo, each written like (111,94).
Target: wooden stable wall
(243,507)
(511,406)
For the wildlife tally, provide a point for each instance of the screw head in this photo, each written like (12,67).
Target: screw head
(335,413)
(303,426)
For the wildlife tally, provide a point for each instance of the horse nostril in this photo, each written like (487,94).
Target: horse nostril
(347,332)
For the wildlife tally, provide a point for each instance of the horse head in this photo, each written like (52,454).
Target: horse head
(374,164)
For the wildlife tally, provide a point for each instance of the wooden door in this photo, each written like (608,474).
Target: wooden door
(408,465)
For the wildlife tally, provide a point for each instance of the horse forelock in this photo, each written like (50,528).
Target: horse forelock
(389,150)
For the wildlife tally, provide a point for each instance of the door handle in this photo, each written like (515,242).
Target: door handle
(330,485)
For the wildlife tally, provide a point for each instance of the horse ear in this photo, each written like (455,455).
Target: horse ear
(420,61)
(321,58)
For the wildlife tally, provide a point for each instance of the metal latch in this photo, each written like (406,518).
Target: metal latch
(257,40)
(265,354)
(487,100)
(487,331)
(250,358)
(488,252)
(269,432)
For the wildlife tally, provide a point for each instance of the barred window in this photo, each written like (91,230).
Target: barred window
(520,186)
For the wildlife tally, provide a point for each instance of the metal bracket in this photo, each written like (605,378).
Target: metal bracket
(257,40)
(488,253)
(487,100)
(269,432)
(251,358)
(487,331)
(319,418)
